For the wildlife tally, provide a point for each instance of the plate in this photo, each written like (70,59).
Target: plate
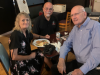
(41,42)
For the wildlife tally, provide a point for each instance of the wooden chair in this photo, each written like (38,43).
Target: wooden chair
(64,24)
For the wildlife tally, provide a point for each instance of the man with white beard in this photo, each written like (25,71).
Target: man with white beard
(46,24)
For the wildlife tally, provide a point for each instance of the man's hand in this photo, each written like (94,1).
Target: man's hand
(77,72)
(47,36)
(61,66)
(57,39)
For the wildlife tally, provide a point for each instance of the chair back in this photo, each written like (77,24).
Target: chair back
(68,20)
(88,10)
(65,24)
(4,58)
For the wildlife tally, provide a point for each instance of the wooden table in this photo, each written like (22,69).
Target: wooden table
(53,39)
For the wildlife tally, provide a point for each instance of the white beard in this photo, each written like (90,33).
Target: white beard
(48,15)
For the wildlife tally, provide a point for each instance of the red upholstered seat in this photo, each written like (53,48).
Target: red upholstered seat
(40,13)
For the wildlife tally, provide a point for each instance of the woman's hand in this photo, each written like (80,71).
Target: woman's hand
(9,41)
(32,55)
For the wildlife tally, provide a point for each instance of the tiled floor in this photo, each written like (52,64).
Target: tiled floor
(4,41)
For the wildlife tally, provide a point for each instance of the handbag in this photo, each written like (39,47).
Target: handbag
(48,49)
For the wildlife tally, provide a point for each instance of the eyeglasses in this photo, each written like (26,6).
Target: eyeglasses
(76,14)
(48,9)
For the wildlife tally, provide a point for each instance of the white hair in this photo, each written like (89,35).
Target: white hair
(83,9)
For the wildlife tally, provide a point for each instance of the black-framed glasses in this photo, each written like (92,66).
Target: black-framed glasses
(76,14)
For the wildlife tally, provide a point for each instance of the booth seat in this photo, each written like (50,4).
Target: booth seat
(34,12)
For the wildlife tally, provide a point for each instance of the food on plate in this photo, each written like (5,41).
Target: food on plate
(41,42)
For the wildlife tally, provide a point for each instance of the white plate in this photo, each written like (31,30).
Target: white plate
(34,42)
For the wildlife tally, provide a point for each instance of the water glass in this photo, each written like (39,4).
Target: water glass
(57,34)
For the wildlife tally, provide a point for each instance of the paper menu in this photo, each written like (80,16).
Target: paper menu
(23,7)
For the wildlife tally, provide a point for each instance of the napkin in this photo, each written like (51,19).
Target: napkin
(64,37)
(57,45)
